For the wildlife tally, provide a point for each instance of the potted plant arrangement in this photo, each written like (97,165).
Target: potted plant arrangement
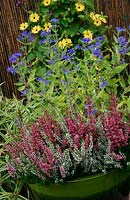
(71,139)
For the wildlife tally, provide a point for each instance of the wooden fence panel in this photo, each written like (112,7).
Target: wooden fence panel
(118,11)
(11,16)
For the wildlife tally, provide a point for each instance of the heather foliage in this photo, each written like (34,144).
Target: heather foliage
(57,150)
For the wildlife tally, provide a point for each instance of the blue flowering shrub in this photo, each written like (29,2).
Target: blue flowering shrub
(56,70)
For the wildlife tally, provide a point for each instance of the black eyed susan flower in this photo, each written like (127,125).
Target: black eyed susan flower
(46,2)
(47,26)
(34,17)
(23,26)
(36,29)
(80,7)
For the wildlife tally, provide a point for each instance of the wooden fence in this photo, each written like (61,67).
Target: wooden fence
(11,16)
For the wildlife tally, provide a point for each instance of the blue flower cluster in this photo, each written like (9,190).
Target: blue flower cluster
(11,70)
(122,41)
(14,57)
(26,36)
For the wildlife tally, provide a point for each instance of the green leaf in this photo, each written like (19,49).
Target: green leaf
(32,75)
(81,16)
(39,55)
(64,23)
(30,57)
(126,90)
(128,102)
(102,94)
(21,88)
(19,83)
(73,29)
(41,49)
(32,86)
(118,69)
(57,12)
(128,53)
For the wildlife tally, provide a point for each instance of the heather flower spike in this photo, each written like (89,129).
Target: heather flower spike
(54,141)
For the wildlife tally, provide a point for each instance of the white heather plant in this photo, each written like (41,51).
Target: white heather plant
(54,151)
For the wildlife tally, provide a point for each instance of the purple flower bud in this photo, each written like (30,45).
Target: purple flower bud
(25,33)
(86,40)
(52,41)
(78,47)
(122,41)
(48,73)
(64,82)
(71,51)
(54,20)
(23,92)
(65,71)
(50,62)
(40,42)
(91,47)
(11,70)
(40,79)
(120,29)
(97,52)
(99,38)
(20,38)
(14,57)
(103,83)
(43,34)
(65,57)
(98,44)
(54,49)
(31,38)
(122,51)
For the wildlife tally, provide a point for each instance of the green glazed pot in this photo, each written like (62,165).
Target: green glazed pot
(110,186)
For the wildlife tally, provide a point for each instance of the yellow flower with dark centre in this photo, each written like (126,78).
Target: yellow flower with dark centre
(97,19)
(88,34)
(34,17)
(46,2)
(36,29)
(23,26)
(80,7)
(47,26)
(66,42)
(97,22)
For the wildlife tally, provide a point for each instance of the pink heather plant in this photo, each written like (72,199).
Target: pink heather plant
(71,146)
(115,128)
